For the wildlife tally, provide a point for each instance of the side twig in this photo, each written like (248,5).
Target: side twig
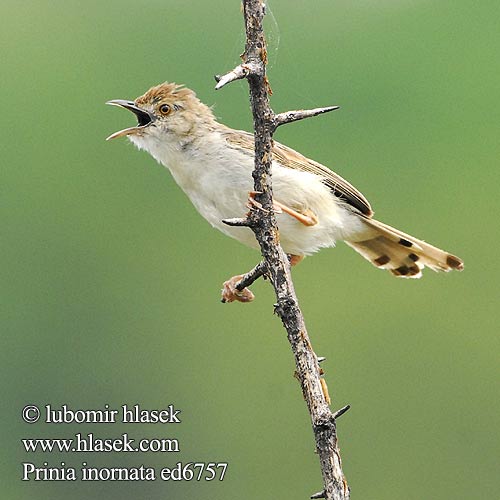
(263,224)
(259,270)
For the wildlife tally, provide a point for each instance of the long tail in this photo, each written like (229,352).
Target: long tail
(402,254)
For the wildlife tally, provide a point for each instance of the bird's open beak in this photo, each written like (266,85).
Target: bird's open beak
(143,118)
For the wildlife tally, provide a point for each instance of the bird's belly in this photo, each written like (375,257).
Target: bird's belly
(222,193)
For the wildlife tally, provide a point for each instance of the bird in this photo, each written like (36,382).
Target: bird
(314,206)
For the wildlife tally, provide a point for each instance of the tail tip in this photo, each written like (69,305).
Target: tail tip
(454,262)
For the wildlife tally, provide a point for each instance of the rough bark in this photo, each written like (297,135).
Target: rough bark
(276,265)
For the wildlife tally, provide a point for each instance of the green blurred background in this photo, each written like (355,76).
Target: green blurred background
(110,280)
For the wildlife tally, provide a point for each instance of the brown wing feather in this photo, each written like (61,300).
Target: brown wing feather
(292,159)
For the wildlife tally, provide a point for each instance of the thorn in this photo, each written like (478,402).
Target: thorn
(300,114)
(320,494)
(340,412)
(237,222)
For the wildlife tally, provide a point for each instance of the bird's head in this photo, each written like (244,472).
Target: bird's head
(167,111)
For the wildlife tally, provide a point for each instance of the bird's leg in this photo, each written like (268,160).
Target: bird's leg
(236,288)
(295,259)
(307,217)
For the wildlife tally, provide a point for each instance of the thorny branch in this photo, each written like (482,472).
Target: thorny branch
(275,264)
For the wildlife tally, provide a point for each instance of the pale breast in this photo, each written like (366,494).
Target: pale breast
(217,180)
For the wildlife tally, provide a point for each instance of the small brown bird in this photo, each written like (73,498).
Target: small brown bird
(314,206)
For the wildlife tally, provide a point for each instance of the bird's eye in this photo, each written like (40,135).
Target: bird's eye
(165,109)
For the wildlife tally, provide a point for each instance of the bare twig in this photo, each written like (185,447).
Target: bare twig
(236,74)
(259,270)
(263,224)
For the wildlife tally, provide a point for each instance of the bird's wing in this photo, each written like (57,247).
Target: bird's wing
(292,159)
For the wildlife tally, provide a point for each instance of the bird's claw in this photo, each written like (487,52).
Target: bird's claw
(252,203)
(230,293)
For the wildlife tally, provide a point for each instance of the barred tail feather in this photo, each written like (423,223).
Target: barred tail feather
(402,254)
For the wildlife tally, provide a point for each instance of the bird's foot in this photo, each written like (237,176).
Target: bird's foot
(252,203)
(230,293)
